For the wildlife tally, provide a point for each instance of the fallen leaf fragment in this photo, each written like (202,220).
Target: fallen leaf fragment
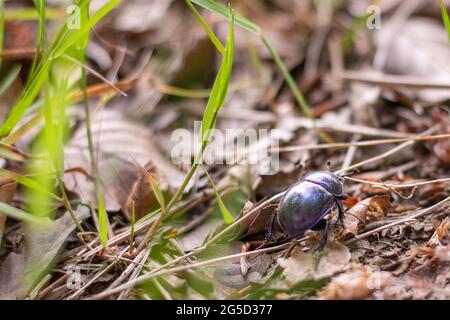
(301,266)
(43,243)
(7,191)
(370,209)
(355,284)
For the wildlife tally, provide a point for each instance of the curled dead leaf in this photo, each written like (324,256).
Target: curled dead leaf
(256,226)
(370,209)
(142,195)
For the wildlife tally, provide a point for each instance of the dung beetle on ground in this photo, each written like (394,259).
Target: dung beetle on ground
(306,203)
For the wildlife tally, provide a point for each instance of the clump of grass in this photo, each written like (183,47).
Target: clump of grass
(250,26)
(215,102)
(65,39)
(49,75)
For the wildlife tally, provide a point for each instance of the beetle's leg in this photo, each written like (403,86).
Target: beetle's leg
(322,225)
(341,212)
(271,225)
(269,232)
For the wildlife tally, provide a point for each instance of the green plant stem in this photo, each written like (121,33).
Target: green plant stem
(93,162)
(69,206)
(287,76)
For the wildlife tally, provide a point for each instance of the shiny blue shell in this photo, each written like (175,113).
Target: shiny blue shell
(303,205)
(308,201)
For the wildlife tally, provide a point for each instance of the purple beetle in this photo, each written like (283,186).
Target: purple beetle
(306,203)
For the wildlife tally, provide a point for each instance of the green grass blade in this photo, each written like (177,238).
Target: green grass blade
(250,26)
(102,219)
(445,19)
(29,183)
(63,42)
(78,34)
(223,11)
(348,38)
(18,214)
(25,100)
(220,86)
(157,191)
(42,40)
(227,216)
(9,78)
(208,30)
(30,14)
(213,107)
(289,79)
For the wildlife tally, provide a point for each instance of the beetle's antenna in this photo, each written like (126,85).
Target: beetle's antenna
(348,173)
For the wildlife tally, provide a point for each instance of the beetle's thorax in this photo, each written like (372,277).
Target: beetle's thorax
(326,179)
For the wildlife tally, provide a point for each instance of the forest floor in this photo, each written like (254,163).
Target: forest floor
(103,116)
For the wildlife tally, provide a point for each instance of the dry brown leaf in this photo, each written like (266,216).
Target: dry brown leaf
(302,266)
(7,191)
(356,284)
(118,142)
(441,233)
(10,275)
(370,209)
(43,243)
(229,273)
(141,195)
(256,226)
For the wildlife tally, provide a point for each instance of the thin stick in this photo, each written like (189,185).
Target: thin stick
(151,275)
(392,80)
(398,186)
(389,152)
(359,144)
(404,220)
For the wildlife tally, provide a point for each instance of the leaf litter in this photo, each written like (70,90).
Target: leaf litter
(394,243)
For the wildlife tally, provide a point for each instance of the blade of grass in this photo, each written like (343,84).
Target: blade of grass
(81,43)
(349,35)
(18,214)
(212,36)
(103,222)
(215,102)
(133,222)
(28,14)
(223,11)
(445,19)
(227,216)
(250,26)
(76,37)
(8,80)
(63,42)
(160,198)
(288,77)
(220,87)
(42,39)
(29,183)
